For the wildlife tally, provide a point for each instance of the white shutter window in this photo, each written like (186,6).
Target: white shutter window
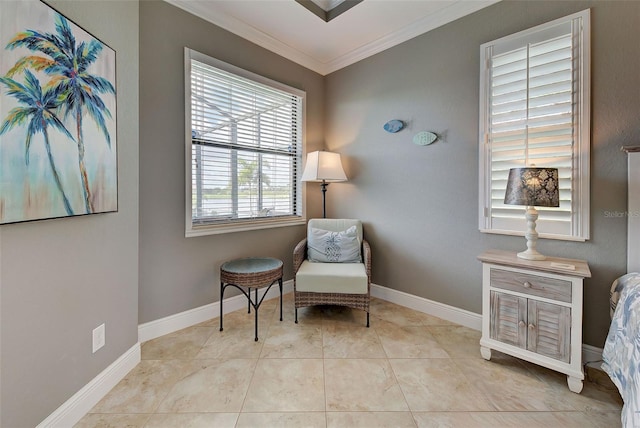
(534,110)
(244,142)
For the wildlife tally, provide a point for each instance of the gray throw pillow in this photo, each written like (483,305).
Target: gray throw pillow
(333,247)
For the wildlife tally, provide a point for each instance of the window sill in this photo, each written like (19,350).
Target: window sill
(217,229)
(540,235)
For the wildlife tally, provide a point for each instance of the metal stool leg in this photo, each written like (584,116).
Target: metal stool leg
(255,309)
(221,299)
(280,284)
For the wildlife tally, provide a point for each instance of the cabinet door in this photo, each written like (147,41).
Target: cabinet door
(549,330)
(508,319)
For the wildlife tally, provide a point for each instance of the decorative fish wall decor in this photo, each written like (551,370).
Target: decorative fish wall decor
(424,138)
(394,126)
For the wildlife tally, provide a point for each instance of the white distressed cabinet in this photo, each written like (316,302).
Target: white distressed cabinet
(533,310)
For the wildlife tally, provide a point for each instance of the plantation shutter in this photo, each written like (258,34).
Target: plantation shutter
(246,139)
(534,114)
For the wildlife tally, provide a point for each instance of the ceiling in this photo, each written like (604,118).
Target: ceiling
(289,29)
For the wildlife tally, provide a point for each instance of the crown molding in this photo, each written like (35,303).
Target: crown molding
(249,33)
(455,11)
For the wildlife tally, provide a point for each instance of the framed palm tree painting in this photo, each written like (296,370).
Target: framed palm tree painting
(57,117)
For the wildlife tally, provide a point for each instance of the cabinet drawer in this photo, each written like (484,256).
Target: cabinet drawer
(534,285)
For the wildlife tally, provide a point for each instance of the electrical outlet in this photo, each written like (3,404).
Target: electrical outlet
(98,337)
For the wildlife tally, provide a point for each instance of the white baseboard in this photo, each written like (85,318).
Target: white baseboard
(175,322)
(185,319)
(591,354)
(72,410)
(69,413)
(440,310)
(457,315)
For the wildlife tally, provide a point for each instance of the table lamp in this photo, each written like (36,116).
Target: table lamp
(532,187)
(323,167)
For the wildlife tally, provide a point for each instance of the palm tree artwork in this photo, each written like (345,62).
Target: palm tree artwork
(60,76)
(39,111)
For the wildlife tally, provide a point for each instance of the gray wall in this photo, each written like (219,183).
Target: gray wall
(176,273)
(60,279)
(420,204)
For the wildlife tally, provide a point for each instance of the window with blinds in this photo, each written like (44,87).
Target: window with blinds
(244,147)
(534,110)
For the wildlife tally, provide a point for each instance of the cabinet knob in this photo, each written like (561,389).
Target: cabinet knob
(521,323)
(526,284)
(532,326)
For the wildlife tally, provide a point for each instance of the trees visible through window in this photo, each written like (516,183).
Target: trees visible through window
(245,148)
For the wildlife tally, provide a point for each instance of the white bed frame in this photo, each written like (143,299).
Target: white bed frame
(633,210)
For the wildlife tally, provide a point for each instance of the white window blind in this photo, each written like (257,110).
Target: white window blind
(245,147)
(534,110)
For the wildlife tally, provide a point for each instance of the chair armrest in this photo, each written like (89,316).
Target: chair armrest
(299,254)
(366,255)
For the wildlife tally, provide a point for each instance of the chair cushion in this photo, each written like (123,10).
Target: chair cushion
(347,278)
(333,247)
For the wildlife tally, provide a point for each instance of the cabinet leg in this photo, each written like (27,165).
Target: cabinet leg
(485,352)
(575,384)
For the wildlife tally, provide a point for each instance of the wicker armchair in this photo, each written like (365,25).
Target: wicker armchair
(337,289)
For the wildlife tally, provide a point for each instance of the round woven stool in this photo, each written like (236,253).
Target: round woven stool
(252,272)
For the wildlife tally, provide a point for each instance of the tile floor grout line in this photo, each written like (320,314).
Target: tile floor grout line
(473,387)
(603,406)
(404,396)
(255,367)
(324,374)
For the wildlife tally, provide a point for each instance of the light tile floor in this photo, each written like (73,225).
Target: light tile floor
(408,369)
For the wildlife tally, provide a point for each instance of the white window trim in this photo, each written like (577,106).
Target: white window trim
(192,230)
(581,193)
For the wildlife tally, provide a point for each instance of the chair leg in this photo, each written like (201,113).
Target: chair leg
(296,315)
(367,319)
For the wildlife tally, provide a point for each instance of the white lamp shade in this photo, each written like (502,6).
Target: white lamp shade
(323,166)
